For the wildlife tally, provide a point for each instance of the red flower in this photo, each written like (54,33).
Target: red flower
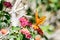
(29,24)
(7,4)
(28,36)
(23,21)
(26,33)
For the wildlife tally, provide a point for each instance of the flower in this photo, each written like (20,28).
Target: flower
(28,36)
(29,24)
(37,37)
(25,32)
(7,4)
(24,24)
(23,21)
(3,31)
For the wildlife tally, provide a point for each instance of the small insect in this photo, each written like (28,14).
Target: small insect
(39,21)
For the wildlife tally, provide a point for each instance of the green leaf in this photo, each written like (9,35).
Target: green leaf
(48,8)
(21,36)
(18,38)
(54,1)
(5,21)
(29,11)
(15,28)
(32,19)
(12,36)
(1,6)
(49,29)
(33,35)
(45,28)
(0,25)
(7,17)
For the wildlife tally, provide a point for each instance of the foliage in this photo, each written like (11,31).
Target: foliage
(4,17)
(51,5)
(35,20)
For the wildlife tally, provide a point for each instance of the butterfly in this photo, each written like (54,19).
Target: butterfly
(39,21)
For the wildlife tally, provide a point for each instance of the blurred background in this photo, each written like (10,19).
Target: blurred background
(48,8)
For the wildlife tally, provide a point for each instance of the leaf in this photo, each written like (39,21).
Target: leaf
(0,25)
(1,6)
(12,36)
(49,29)
(53,1)
(15,28)
(7,17)
(29,11)
(21,36)
(45,37)
(45,28)
(18,38)
(5,21)
(32,19)
(33,34)
(48,8)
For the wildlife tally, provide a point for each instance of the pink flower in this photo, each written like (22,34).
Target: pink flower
(24,24)
(28,36)
(29,24)
(7,4)
(23,21)
(25,32)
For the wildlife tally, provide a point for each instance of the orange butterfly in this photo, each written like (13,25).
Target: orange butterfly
(39,21)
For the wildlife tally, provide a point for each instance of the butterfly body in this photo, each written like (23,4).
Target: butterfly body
(39,21)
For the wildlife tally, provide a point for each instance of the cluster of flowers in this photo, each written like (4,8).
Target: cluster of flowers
(26,33)
(7,5)
(24,22)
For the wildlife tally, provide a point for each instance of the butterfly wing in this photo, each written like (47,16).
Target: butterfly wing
(41,20)
(38,20)
(36,17)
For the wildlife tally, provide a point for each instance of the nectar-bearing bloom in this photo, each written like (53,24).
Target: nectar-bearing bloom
(28,36)
(7,4)
(26,33)
(29,24)
(25,22)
